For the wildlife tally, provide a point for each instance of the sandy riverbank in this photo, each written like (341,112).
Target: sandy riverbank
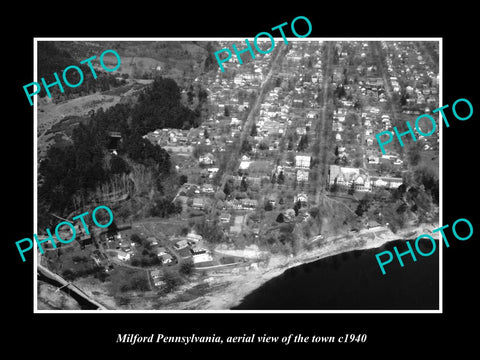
(232,288)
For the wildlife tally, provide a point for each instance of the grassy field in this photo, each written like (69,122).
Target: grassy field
(139,57)
(431,160)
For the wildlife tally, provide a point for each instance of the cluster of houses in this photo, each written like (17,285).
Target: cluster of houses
(289,111)
(412,74)
(415,77)
(191,247)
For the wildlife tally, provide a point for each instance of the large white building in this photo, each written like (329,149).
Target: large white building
(348,176)
(302,161)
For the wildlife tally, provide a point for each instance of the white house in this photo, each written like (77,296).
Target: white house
(122,255)
(203,257)
(206,159)
(302,161)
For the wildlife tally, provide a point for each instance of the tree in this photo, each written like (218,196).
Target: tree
(118,165)
(351,190)
(426,177)
(228,188)
(220,195)
(210,230)
(243,184)
(314,212)
(268,206)
(186,267)
(297,206)
(334,186)
(363,205)
(209,62)
(171,280)
(290,144)
(303,143)
(263,145)
(281,178)
(384,168)
(398,193)
(246,147)
(413,154)
(128,280)
(253,132)
(273,179)
(182,179)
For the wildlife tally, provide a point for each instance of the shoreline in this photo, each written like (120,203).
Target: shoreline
(233,288)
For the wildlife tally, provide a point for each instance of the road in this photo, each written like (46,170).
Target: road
(247,127)
(378,54)
(322,134)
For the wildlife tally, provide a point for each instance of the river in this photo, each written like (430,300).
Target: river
(353,281)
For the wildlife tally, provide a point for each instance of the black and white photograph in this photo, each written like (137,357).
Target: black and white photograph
(214,180)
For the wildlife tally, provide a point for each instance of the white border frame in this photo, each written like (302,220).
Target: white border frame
(35,164)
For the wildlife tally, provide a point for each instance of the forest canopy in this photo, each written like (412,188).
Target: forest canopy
(81,167)
(52,60)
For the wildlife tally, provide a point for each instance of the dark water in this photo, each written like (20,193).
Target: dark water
(353,281)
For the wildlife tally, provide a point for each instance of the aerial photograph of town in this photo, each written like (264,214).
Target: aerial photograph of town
(236,190)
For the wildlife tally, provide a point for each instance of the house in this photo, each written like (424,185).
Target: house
(166,258)
(206,159)
(374,82)
(197,250)
(301,130)
(198,203)
(181,244)
(302,161)
(249,203)
(194,238)
(289,215)
(122,255)
(153,241)
(212,171)
(208,188)
(373,159)
(182,150)
(386,182)
(203,257)
(161,251)
(244,165)
(235,121)
(114,138)
(155,274)
(225,217)
(238,223)
(84,240)
(302,197)
(361,183)
(342,175)
(302,175)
